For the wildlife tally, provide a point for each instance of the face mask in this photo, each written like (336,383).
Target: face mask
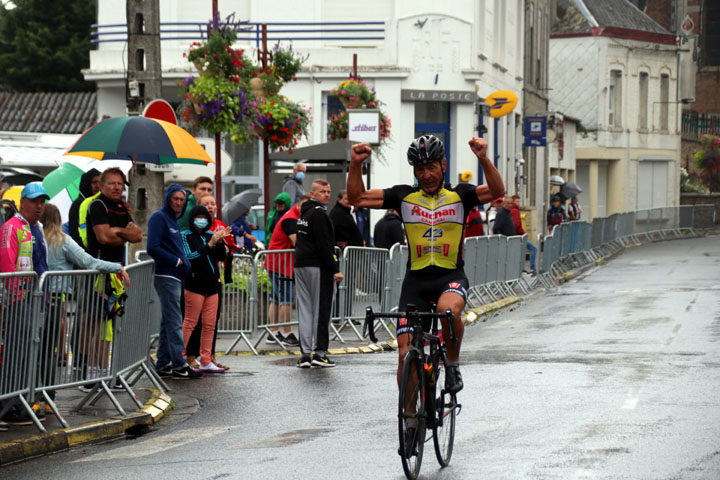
(300,176)
(200,223)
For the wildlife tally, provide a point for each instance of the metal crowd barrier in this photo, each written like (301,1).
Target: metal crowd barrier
(277,307)
(56,334)
(241,299)
(572,245)
(19,326)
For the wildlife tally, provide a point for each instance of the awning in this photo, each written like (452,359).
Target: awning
(333,156)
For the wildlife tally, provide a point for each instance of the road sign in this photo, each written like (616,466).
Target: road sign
(535,131)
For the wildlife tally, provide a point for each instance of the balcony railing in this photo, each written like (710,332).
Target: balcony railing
(695,125)
(251,31)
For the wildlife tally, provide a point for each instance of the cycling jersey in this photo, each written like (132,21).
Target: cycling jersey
(433,223)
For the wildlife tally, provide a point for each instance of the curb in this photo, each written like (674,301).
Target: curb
(157,406)
(475,314)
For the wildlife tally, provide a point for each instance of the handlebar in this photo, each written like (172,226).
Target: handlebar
(410,314)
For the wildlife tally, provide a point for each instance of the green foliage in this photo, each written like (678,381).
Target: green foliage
(44,45)
(242,280)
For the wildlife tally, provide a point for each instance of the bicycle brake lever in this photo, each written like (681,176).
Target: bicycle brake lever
(369,326)
(451,324)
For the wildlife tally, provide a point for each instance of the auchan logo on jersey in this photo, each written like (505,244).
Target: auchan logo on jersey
(418,214)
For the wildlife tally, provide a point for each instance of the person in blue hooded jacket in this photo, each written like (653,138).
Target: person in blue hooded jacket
(165,246)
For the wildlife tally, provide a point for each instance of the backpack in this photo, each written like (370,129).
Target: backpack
(556,217)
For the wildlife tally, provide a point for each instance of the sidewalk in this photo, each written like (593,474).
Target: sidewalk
(93,424)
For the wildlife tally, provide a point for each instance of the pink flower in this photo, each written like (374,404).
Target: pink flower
(342,93)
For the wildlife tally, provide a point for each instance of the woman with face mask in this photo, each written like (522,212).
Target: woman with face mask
(204,250)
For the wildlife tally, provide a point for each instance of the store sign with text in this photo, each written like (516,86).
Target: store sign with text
(364,126)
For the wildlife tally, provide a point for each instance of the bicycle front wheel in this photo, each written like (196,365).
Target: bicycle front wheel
(411,415)
(445,411)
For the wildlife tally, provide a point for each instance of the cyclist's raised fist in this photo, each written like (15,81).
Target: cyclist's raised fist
(360,152)
(478,146)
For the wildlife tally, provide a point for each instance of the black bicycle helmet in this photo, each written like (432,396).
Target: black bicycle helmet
(426,149)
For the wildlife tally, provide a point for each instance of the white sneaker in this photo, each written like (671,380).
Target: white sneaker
(211,368)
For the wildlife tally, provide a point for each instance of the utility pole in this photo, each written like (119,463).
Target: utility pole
(144,84)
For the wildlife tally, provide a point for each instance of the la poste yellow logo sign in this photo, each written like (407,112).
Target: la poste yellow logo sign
(501,103)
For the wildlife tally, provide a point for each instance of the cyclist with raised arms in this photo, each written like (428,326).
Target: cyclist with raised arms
(434,216)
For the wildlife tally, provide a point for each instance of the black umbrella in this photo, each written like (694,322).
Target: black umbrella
(240,204)
(19,176)
(569,190)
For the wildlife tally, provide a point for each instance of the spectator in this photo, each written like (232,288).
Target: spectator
(192,347)
(389,230)
(202,285)
(282,204)
(242,231)
(89,186)
(520,230)
(574,210)
(315,270)
(109,222)
(65,254)
(495,206)
(503,224)
(555,214)
(201,186)
(280,267)
(109,226)
(347,233)
(171,267)
(22,249)
(474,223)
(293,184)
(362,219)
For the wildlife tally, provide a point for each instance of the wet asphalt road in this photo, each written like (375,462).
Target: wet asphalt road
(615,375)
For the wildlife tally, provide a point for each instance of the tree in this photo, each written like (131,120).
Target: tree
(44,44)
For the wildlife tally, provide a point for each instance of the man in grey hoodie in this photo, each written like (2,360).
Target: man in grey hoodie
(292,184)
(164,245)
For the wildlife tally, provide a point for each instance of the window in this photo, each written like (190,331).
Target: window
(710,37)
(643,124)
(664,101)
(615,99)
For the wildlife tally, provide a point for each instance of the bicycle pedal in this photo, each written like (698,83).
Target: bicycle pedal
(459,408)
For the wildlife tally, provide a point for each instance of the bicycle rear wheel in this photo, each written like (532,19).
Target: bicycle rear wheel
(445,411)
(411,415)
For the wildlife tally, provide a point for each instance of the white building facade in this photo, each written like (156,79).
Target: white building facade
(429,63)
(621,84)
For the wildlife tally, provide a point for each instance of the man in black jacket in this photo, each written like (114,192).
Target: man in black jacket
(89,186)
(347,233)
(504,224)
(389,230)
(316,268)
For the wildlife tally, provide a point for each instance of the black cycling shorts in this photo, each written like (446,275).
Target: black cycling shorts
(421,289)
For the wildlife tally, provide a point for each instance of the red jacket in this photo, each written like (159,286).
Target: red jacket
(474,224)
(515,213)
(282,263)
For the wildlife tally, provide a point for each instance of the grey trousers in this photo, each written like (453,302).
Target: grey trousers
(315,291)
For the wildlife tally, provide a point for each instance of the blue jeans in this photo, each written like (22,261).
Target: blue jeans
(533,253)
(170,343)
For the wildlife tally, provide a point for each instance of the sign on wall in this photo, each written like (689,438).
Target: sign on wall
(501,103)
(535,132)
(437,96)
(364,126)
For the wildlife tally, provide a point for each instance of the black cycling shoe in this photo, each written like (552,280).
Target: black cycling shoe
(453,379)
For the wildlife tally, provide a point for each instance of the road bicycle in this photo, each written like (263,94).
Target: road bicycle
(424,403)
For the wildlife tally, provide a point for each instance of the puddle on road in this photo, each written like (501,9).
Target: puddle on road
(569,291)
(286,439)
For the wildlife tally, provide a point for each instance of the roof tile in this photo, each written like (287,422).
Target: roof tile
(47,112)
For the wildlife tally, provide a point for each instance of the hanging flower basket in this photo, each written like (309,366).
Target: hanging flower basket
(707,161)
(229,95)
(279,121)
(354,94)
